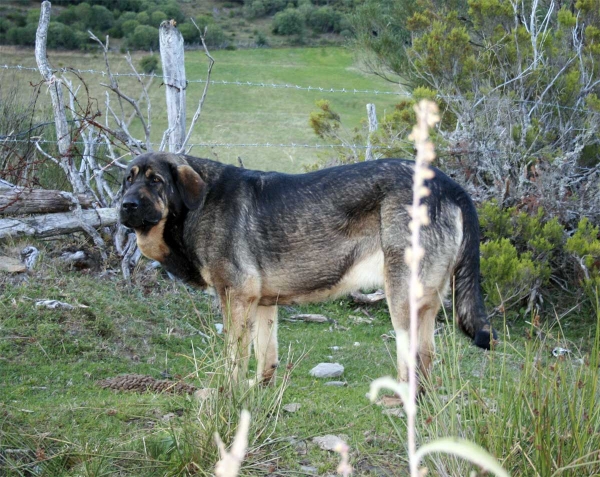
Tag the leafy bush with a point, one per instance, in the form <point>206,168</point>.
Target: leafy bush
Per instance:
<point>584,247</point>
<point>144,37</point>
<point>215,36</point>
<point>157,18</point>
<point>508,276</point>
<point>324,20</point>
<point>149,64</point>
<point>289,22</point>
<point>189,32</point>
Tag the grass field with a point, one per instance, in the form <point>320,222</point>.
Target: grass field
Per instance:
<point>534,412</point>
<point>241,114</point>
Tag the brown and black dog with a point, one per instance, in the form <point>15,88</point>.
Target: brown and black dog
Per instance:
<point>262,239</point>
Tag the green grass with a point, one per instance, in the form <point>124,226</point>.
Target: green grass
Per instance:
<point>535,413</point>
<point>242,114</point>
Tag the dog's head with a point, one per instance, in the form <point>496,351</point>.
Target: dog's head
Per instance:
<point>156,186</point>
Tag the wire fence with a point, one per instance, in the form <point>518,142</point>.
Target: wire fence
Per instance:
<point>13,136</point>
<point>260,84</point>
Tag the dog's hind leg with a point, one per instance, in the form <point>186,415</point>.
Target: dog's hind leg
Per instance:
<point>396,292</point>
<point>239,317</point>
<point>265,343</point>
<point>429,307</point>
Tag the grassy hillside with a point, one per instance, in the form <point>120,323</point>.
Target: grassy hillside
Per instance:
<point>239,114</point>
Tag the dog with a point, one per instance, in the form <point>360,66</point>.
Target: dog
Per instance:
<point>263,239</point>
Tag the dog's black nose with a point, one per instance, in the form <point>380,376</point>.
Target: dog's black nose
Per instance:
<point>130,204</point>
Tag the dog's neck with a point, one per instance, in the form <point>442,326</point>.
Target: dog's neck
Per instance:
<point>164,243</point>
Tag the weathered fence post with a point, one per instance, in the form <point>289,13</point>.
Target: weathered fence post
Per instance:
<point>63,136</point>
<point>172,57</point>
<point>371,114</point>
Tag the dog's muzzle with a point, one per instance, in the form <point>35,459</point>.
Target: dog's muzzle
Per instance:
<point>137,214</point>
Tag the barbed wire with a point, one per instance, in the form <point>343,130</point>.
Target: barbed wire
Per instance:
<point>316,89</point>
<point>261,84</point>
<point>231,145</point>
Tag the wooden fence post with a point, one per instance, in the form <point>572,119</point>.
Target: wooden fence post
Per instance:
<point>172,57</point>
<point>371,114</point>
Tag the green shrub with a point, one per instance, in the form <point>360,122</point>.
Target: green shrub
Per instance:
<point>63,36</point>
<point>149,64</point>
<point>144,37</point>
<point>102,18</point>
<point>324,20</point>
<point>289,22</point>
<point>215,36</point>
<point>157,18</point>
<point>143,18</point>
<point>189,32</point>
<point>584,247</point>
<point>509,276</point>
<point>129,26</point>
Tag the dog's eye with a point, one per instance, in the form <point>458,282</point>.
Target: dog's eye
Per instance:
<point>130,179</point>
<point>155,180</point>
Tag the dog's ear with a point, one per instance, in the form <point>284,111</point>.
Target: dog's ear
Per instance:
<point>190,185</point>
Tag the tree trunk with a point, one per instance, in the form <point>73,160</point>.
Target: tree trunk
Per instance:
<point>56,224</point>
<point>172,57</point>
<point>20,201</point>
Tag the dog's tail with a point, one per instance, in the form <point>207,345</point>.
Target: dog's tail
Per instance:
<point>471,315</point>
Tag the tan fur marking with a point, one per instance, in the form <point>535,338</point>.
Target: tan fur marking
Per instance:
<point>152,244</point>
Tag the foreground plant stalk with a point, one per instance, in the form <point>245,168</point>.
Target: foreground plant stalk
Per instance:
<point>427,116</point>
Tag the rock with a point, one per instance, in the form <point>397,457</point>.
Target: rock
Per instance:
<point>394,411</point>
<point>219,328</point>
<point>308,469</point>
<point>327,370</point>
<point>329,442</point>
<point>292,407</point>
<point>205,393</point>
<point>12,265</point>
<point>54,304</point>
<point>336,383</point>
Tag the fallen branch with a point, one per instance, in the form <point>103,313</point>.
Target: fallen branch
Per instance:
<point>50,225</point>
<point>18,200</point>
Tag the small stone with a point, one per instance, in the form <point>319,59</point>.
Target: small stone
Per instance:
<point>329,442</point>
<point>395,412</point>
<point>53,304</point>
<point>336,383</point>
<point>219,328</point>
<point>12,265</point>
<point>327,370</point>
<point>205,393</point>
<point>292,407</point>
<point>308,469</point>
<point>356,343</point>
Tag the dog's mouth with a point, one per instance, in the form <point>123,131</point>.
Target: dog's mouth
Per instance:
<point>133,222</point>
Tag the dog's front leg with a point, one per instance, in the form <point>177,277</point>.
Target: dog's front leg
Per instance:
<point>265,343</point>
<point>239,313</point>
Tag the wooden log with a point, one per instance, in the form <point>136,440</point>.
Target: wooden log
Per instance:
<point>20,201</point>
<point>50,225</point>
